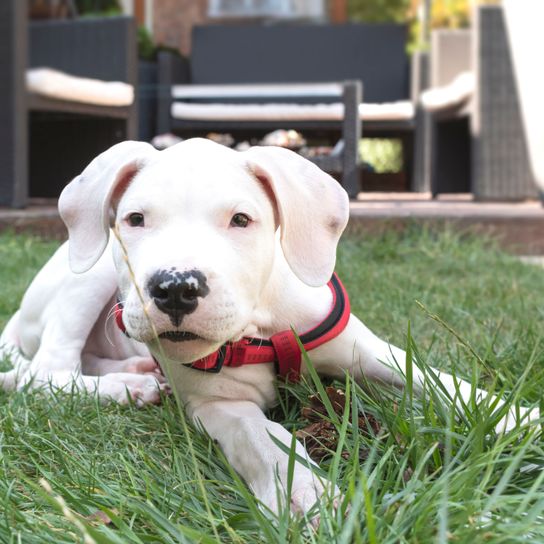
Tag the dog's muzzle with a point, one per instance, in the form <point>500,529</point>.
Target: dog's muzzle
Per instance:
<point>284,348</point>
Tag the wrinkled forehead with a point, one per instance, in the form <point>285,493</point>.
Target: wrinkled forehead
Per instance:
<point>192,180</point>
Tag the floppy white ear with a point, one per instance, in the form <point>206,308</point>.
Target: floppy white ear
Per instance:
<point>313,210</point>
<point>84,204</point>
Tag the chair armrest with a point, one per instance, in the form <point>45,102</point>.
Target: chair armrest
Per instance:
<point>351,133</point>
<point>172,69</point>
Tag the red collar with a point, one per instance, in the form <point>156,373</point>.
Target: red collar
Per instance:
<point>282,348</point>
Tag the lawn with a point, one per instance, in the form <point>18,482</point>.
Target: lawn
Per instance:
<point>74,471</point>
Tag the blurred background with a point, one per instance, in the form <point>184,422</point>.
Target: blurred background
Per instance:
<point>436,108</point>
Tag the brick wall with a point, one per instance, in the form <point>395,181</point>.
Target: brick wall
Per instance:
<point>174,19</point>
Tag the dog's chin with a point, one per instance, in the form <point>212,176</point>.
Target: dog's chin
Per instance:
<point>183,346</point>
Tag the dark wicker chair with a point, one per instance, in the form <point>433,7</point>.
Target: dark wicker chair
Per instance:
<point>45,142</point>
<point>478,146</point>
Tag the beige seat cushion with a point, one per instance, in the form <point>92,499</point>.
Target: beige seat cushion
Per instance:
<point>457,93</point>
<point>402,110</point>
<point>62,86</point>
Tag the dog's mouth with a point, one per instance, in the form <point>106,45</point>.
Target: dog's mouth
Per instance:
<point>179,336</point>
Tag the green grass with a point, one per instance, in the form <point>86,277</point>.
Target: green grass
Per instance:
<point>429,475</point>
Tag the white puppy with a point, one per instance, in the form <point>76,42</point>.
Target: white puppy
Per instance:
<point>213,247</point>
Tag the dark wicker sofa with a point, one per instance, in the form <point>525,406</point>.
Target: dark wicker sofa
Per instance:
<point>44,142</point>
<point>229,55</point>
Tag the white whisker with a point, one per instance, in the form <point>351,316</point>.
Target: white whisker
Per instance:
<point>110,315</point>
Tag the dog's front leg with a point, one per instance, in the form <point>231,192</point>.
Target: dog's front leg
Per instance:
<point>244,434</point>
<point>365,356</point>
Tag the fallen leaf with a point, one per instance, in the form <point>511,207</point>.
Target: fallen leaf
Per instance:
<point>320,436</point>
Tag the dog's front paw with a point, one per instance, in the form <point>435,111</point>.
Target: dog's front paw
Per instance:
<point>125,387</point>
<point>307,490</point>
<point>305,495</point>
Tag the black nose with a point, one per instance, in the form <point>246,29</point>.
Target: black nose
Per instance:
<point>176,293</point>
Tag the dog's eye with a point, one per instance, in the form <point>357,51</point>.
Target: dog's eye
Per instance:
<point>240,220</point>
<point>136,220</point>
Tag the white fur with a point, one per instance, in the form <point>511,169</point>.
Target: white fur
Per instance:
<point>259,284</point>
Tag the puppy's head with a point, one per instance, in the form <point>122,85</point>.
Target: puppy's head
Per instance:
<point>195,234</point>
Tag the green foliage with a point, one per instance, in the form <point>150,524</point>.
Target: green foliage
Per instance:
<point>98,7</point>
<point>450,13</point>
<point>378,11</point>
<point>146,47</point>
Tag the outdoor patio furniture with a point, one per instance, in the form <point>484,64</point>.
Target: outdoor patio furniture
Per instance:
<point>476,144</point>
<point>500,167</point>
<point>260,118</point>
<point>524,24</point>
<point>302,58</point>
<point>46,140</point>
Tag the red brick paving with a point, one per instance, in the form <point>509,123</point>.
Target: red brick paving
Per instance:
<point>518,226</point>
